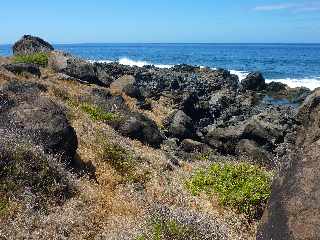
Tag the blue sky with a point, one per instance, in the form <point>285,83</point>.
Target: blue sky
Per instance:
<point>226,21</point>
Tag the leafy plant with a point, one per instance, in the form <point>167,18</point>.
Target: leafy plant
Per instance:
<point>242,186</point>
<point>40,59</point>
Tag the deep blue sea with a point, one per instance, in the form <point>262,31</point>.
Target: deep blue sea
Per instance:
<point>293,64</point>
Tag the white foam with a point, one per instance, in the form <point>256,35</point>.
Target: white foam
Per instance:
<point>130,62</point>
<point>311,83</point>
<point>100,61</point>
<point>241,74</point>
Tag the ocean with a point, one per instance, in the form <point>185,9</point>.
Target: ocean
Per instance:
<point>292,64</point>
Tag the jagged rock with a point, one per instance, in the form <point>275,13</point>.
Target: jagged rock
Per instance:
<point>254,81</point>
<point>20,68</point>
<point>180,125</point>
<point>275,87</point>
<point>36,118</point>
<point>185,68</point>
<point>294,211</point>
<point>30,45</point>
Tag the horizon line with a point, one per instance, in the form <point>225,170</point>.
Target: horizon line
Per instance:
<point>227,43</point>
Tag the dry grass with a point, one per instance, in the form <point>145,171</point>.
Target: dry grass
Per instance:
<point>111,208</point>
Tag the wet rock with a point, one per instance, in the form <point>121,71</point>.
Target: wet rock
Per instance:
<point>21,68</point>
<point>30,45</point>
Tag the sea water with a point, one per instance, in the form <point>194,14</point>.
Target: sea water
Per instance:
<point>292,64</point>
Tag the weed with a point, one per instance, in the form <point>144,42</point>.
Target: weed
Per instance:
<point>98,114</point>
<point>241,186</point>
<point>40,59</point>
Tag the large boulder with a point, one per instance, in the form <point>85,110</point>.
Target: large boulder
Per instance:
<point>224,139</point>
<point>35,117</point>
<point>30,45</point>
<point>138,126</point>
<point>294,206</point>
<point>23,68</point>
<point>75,67</point>
<point>180,125</point>
<point>254,81</point>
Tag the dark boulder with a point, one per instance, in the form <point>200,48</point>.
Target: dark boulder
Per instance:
<point>75,67</point>
<point>21,68</point>
<point>224,139</point>
<point>275,87</point>
<point>185,68</point>
<point>180,125</point>
<point>37,118</point>
<point>133,91</point>
<point>256,154</point>
<point>294,211</point>
<point>189,145</point>
<point>137,126</point>
<point>30,45</point>
<point>254,81</point>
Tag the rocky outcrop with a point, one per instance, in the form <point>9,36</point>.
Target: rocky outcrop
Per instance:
<point>77,68</point>
<point>294,209</point>
<point>22,68</point>
<point>254,81</point>
<point>30,45</point>
<point>36,118</point>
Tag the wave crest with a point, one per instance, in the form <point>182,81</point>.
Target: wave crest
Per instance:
<point>308,82</point>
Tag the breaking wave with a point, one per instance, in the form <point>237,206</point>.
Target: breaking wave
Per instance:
<point>311,83</point>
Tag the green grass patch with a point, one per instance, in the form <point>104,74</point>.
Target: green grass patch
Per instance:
<point>124,162</point>
<point>40,59</point>
<point>242,186</point>
<point>167,229</point>
<point>4,205</point>
<point>98,114</point>
<point>118,157</point>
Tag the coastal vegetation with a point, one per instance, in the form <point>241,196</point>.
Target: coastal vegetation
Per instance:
<point>109,151</point>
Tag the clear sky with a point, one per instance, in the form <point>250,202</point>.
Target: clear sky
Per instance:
<point>112,21</point>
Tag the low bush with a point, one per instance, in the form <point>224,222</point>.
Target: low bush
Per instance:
<point>242,186</point>
<point>40,59</point>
